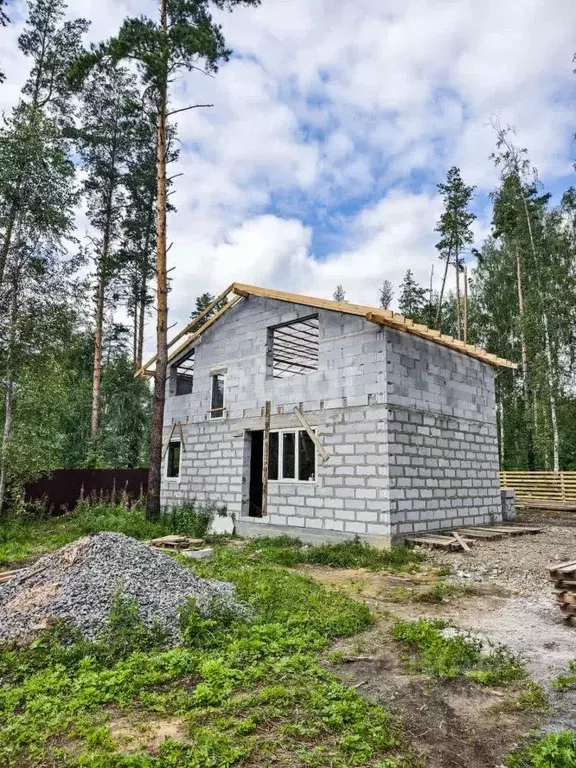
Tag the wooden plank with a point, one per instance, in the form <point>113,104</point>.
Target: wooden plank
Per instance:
<point>429,541</point>
<point>480,533</point>
<point>311,434</point>
<point>461,541</point>
<point>266,456</point>
<point>554,567</point>
<point>187,328</point>
<point>165,451</point>
<point>208,324</point>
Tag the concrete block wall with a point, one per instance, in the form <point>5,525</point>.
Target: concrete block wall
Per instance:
<point>349,497</point>
<point>443,447</point>
<point>410,427</point>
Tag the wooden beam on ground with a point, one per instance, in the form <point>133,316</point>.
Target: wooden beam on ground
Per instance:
<point>311,434</point>
<point>461,541</point>
<point>266,457</point>
<point>200,316</point>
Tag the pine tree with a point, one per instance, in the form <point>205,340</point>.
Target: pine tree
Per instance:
<point>339,294</point>
<point>455,232</point>
<point>412,301</point>
<point>184,35</point>
<point>106,139</point>
<point>386,294</point>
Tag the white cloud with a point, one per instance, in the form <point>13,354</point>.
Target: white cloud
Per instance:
<point>333,124</point>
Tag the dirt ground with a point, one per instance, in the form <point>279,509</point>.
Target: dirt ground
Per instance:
<point>506,598</point>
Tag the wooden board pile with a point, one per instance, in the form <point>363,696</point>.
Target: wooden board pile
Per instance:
<point>176,542</point>
<point>463,538</point>
<point>564,577</point>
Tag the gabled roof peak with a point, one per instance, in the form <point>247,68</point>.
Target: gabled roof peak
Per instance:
<point>384,317</point>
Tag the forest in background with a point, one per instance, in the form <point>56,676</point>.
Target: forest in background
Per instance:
<point>68,393</point>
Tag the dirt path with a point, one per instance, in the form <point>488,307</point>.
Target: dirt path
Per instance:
<point>457,723</point>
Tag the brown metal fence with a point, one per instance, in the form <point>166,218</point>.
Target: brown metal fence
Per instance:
<point>550,486</point>
<point>62,490</point>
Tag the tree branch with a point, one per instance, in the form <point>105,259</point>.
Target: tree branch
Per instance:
<point>185,109</point>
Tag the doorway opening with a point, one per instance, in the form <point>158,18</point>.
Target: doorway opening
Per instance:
<point>256,467</point>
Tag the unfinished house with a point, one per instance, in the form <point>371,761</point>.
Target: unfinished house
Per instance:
<point>328,420</point>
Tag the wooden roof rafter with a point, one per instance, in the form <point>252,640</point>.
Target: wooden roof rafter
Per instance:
<point>382,317</point>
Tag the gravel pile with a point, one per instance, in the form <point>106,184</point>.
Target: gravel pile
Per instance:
<point>80,581</point>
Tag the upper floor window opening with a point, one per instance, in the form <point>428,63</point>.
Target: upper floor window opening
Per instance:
<point>217,405</point>
<point>184,374</point>
<point>293,348</point>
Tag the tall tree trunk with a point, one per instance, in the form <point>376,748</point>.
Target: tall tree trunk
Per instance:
<point>143,292</point>
<point>439,310</point>
<point>501,430</point>
<point>156,429</point>
<point>524,356</point>
<point>5,250</point>
<point>98,332</point>
<point>458,303</point>
<point>9,394</point>
<point>135,324</point>
<point>547,344</point>
<point>465,306</point>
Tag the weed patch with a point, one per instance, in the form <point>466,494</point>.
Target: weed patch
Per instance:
<point>555,750</point>
<point>290,552</point>
<point>567,682</point>
<point>451,655</point>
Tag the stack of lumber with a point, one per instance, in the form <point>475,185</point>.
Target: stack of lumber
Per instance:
<point>564,577</point>
<point>176,542</point>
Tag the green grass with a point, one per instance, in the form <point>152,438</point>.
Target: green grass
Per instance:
<point>457,655</point>
<point>290,552</point>
<point>555,750</point>
<point>250,693</point>
<point>23,538</point>
<point>567,682</point>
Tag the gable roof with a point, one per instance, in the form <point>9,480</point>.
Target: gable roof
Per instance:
<point>384,317</point>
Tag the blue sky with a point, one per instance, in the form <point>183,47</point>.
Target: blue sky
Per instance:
<point>332,125</point>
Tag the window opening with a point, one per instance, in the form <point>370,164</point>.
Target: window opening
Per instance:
<point>185,374</point>
<point>173,462</point>
<point>293,348</point>
<point>217,398</point>
<point>292,456</point>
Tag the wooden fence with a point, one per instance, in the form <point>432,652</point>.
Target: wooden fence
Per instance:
<point>550,486</point>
